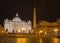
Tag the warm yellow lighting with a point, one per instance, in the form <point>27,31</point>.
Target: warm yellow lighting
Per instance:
<point>21,40</point>
<point>23,29</point>
<point>19,30</point>
<point>40,31</point>
<point>56,40</point>
<point>56,30</point>
<point>34,19</point>
<point>45,33</point>
<point>40,40</point>
<point>32,31</point>
<point>2,31</point>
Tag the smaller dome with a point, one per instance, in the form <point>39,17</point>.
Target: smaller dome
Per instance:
<point>16,18</point>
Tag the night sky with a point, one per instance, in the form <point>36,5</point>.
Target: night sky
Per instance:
<point>48,10</point>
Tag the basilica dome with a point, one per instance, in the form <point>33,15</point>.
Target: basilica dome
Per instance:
<point>17,18</point>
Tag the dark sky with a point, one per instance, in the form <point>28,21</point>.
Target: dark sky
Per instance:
<point>46,9</point>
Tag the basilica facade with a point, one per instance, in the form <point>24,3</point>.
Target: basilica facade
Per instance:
<point>16,25</point>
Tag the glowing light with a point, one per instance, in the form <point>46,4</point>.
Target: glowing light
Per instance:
<point>56,40</point>
<point>41,41</point>
<point>19,30</point>
<point>56,30</point>
<point>21,40</point>
<point>40,31</point>
<point>16,14</point>
<point>23,29</point>
<point>45,33</point>
<point>2,31</point>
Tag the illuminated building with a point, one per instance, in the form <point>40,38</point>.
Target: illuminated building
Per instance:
<point>50,28</point>
<point>16,25</point>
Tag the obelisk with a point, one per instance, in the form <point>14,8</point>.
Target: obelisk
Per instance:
<point>34,18</point>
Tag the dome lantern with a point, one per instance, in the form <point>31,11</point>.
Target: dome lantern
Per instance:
<point>16,18</point>
<point>16,14</point>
